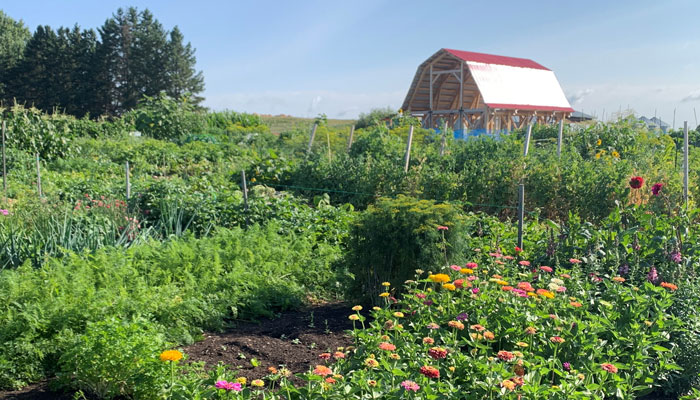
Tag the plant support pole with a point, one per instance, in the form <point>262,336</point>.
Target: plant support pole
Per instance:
<point>311,139</point>
<point>4,169</point>
<point>444,140</point>
<point>352,132</point>
<point>685,164</point>
<point>560,137</point>
<point>407,157</point>
<point>527,140</point>
<point>521,213</point>
<point>128,182</point>
<point>38,175</point>
<point>245,197</point>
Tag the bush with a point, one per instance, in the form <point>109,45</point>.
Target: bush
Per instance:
<point>165,118</point>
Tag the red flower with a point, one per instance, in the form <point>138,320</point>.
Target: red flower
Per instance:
<point>437,353</point>
<point>442,228</point>
<point>430,372</point>
<point>636,182</point>
<point>656,188</point>
<point>518,249</point>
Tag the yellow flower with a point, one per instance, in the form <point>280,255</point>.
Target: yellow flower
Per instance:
<point>615,154</point>
<point>581,377</point>
<point>501,282</point>
<point>521,344</point>
<point>375,308</point>
<point>171,355</point>
<point>599,142</point>
<point>449,286</point>
<point>354,317</point>
<point>398,314</point>
<point>452,369</point>
<point>242,380</point>
<point>439,278</point>
<point>357,308</point>
<point>372,363</point>
<point>597,156</point>
<point>386,284</point>
<point>466,271</point>
<point>257,383</point>
<point>385,294</point>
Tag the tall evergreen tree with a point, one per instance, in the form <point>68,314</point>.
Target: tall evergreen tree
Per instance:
<point>13,38</point>
<point>183,78</point>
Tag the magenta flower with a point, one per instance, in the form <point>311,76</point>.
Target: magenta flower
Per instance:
<point>410,386</point>
<point>235,386</point>
<point>653,275</point>
<point>472,265</point>
<point>4,212</point>
<point>656,188</point>
<point>567,366</point>
<point>475,290</point>
<point>456,267</point>
<point>442,228</point>
<point>462,317</point>
<point>676,257</point>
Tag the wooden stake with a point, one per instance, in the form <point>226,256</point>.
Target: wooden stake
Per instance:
<point>4,169</point>
<point>521,213</point>
<point>560,137</point>
<point>128,183</point>
<point>38,175</point>
<point>311,139</point>
<point>527,139</point>
<point>328,140</point>
<point>245,195</point>
<point>352,132</point>
<point>407,157</point>
<point>685,164</point>
<point>444,140</point>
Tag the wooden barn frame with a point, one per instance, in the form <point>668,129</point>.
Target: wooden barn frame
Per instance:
<point>475,91</point>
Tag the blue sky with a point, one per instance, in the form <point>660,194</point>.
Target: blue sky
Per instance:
<point>342,58</point>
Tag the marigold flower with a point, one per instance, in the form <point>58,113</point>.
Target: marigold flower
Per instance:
<point>371,362</point>
<point>385,294</point>
<point>357,308</point>
<point>437,353</point>
<point>508,384</point>
<point>430,372</point>
<point>322,370</point>
<point>618,279</point>
<point>410,386</point>
<point>488,335</point>
<point>456,325</point>
<point>439,278</point>
<point>260,383</point>
<point>609,368</point>
<point>505,355</point>
<point>171,355</point>
<point>449,286</point>
<point>669,286</point>
<point>387,346</point>
<point>557,339</point>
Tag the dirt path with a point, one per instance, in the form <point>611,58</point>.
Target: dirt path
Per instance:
<point>294,340</point>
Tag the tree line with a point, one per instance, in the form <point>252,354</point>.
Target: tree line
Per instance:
<point>104,72</point>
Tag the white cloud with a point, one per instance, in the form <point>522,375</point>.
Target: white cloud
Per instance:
<point>577,97</point>
<point>692,96</point>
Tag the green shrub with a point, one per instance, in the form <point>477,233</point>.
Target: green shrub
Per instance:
<point>165,118</point>
<point>114,358</point>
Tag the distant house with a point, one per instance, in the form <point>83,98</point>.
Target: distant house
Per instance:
<point>654,124</point>
<point>579,116</point>
<point>479,92</point>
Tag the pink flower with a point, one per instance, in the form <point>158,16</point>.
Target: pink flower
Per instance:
<point>524,263</point>
<point>656,188</point>
<point>410,386</point>
<point>508,258</point>
<point>546,268</point>
<point>472,265</point>
<point>235,386</point>
<point>574,261</point>
<point>442,228</point>
<point>472,278</point>
<point>561,289</point>
<point>421,295</point>
<point>456,267</point>
<point>496,255</point>
<point>4,212</point>
<point>475,290</point>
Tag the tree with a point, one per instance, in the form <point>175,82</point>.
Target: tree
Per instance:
<point>13,38</point>
<point>183,78</point>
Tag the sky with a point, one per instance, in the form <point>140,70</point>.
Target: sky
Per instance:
<point>304,58</point>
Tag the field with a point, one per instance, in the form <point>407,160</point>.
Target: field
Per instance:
<point>338,274</point>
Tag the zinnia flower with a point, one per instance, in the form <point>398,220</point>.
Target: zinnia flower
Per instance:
<point>477,327</point>
<point>410,386</point>
<point>428,340</point>
<point>575,304</point>
<point>357,308</point>
<point>387,346</point>
<point>557,339</point>
<point>325,356</point>
<point>338,355</point>
<point>433,325</point>
<point>618,279</point>
<point>260,383</point>
<point>676,257</point>
<point>609,367</point>
<point>574,261</point>
<point>524,263</point>
<point>567,367</point>
<point>455,267</point>
<point>322,370</point>
<point>669,286</point>
<point>439,278</point>
<point>530,330</point>
<point>462,317</point>
<point>508,384</point>
<point>385,294</point>
<point>171,355</point>
<point>371,362</point>
<point>430,372</point>
<point>456,325</point>
<point>636,182</point>
<point>442,228</point>
<point>437,353</point>
<point>353,317</point>
<point>449,286</point>
<point>505,355</point>
<point>656,188</point>
<point>653,275</point>
<point>475,290</point>
<point>546,268</point>
<point>235,386</point>
<point>488,335</point>
<point>472,265</point>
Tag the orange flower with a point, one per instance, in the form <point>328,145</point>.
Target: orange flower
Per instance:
<point>609,367</point>
<point>488,335</point>
<point>669,286</point>
<point>456,324</point>
<point>477,328</point>
<point>449,286</point>
<point>506,288</point>
<point>557,339</point>
<point>508,384</point>
<point>530,330</point>
<point>618,279</point>
<point>439,278</point>
<point>575,304</point>
<point>170,355</point>
<point>322,370</point>
<point>505,355</point>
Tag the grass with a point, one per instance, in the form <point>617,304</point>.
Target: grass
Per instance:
<point>284,123</point>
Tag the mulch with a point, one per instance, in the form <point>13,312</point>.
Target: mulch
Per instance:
<point>294,340</point>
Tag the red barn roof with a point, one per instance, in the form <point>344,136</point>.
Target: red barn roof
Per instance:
<point>494,59</point>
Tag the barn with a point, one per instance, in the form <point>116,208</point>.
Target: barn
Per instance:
<point>483,93</point>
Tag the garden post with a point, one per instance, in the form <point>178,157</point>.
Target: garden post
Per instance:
<point>245,196</point>
<point>311,139</point>
<point>521,213</point>
<point>4,169</point>
<point>38,175</point>
<point>352,132</point>
<point>560,137</point>
<point>444,140</point>
<point>527,139</point>
<point>407,157</point>
<point>128,183</point>
<point>685,164</point>
<point>328,140</point>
